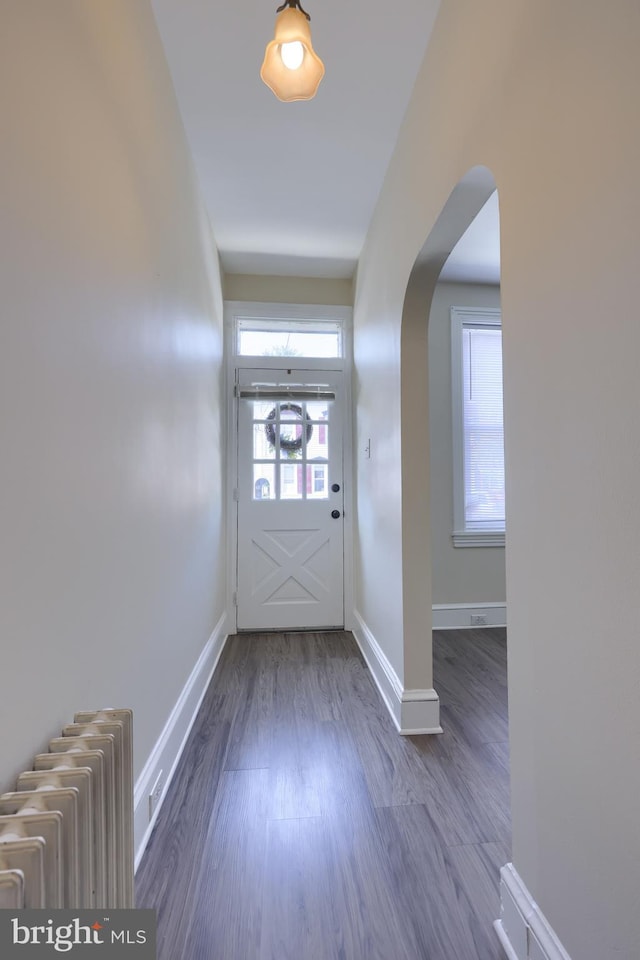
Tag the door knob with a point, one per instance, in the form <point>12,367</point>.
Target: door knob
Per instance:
<point>335,514</point>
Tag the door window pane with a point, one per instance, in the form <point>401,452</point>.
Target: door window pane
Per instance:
<point>264,481</point>
<point>261,409</point>
<point>294,437</point>
<point>318,445</point>
<point>262,449</point>
<point>317,410</point>
<point>290,434</point>
<point>317,481</point>
<point>291,481</point>
<point>294,430</point>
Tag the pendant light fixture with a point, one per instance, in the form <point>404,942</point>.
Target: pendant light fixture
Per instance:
<point>291,68</point>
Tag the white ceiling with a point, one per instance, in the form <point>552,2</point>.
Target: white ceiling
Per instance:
<point>291,187</point>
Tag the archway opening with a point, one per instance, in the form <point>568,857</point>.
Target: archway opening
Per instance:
<point>453,497</point>
<point>463,205</point>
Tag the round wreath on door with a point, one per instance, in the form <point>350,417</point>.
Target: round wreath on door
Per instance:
<point>289,444</point>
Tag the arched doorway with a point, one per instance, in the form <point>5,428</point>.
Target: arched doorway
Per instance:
<point>463,205</point>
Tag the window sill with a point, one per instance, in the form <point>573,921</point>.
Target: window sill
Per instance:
<point>478,538</point>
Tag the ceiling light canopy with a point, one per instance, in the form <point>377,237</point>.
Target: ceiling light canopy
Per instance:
<point>291,67</point>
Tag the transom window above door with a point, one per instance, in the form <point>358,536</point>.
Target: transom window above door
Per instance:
<point>259,337</point>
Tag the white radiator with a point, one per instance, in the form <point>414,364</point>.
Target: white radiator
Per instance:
<point>66,833</point>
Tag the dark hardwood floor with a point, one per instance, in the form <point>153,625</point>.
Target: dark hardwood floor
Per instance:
<point>301,826</point>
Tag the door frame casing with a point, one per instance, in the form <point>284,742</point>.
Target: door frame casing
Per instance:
<point>240,309</point>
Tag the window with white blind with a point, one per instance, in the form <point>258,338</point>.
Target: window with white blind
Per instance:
<point>478,436</point>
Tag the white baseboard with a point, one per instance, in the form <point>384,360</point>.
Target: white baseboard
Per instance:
<point>168,749</point>
<point>455,616</point>
<point>412,711</point>
<point>523,930</point>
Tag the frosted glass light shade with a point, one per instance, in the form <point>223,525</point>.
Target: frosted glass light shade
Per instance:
<point>287,84</point>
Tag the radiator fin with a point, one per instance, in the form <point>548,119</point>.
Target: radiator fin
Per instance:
<point>66,833</point>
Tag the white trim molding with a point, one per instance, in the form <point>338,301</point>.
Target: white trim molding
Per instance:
<point>413,711</point>
<point>456,616</point>
<point>171,742</point>
<point>523,930</point>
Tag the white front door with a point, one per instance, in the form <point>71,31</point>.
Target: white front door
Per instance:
<point>290,500</point>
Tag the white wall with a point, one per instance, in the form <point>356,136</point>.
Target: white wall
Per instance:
<point>111,565</point>
<point>458,574</point>
<point>546,96</point>
<point>240,286</point>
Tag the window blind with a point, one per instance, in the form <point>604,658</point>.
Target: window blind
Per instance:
<point>483,428</point>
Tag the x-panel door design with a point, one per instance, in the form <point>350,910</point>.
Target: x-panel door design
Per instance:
<point>290,500</point>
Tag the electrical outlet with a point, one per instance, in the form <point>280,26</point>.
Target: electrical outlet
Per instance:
<point>478,619</point>
<point>156,793</point>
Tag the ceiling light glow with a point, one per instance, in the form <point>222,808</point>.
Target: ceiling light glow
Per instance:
<point>291,67</point>
<point>292,54</point>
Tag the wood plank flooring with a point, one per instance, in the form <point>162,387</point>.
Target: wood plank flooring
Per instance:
<point>301,826</point>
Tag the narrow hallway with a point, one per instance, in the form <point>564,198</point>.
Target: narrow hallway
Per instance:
<point>301,825</point>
